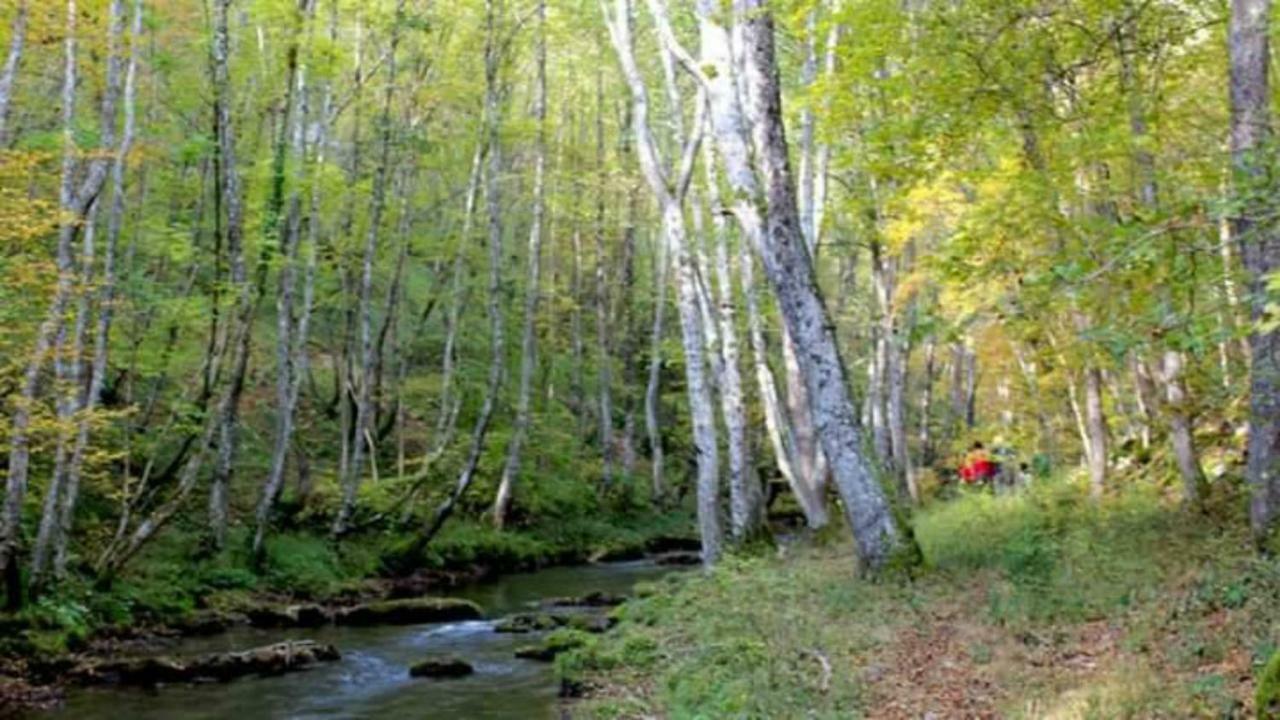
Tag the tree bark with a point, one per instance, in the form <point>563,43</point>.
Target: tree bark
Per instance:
<point>1254,229</point>
<point>790,270</point>
<point>670,196</point>
<point>9,74</point>
<point>291,331</point>
<point>604,348</point>
<point>106,292</point>
<point>528,339</point>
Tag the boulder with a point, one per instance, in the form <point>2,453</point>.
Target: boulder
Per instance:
<point>441,667</point>
<point>266,660</point>
<point>409,612</point>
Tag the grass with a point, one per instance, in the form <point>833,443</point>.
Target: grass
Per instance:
<point>1037,605</point>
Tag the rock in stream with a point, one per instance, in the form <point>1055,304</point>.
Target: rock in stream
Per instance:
<point>274,659</point>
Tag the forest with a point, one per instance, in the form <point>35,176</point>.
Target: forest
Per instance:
<point>633,359</point>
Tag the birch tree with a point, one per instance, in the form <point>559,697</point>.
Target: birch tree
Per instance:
<point>670,194</point>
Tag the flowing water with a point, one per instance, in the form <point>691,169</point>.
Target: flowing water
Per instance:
<point>372,678</point>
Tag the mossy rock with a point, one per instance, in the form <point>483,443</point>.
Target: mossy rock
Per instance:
<point>282,657</point>
<point>1268,696</point>
<point>448,666</point>
<point>410,612</point>
<point>530,622</point>
<point>557,642</point>
<point>594,624</point>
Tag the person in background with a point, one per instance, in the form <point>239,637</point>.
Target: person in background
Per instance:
<point>978,466</point>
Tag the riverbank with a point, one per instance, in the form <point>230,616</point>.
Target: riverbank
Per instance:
<point>306,581</point>
<point>1039,605</point>
<point>374,677</point>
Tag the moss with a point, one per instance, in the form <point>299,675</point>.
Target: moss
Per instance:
<point>410,612</point>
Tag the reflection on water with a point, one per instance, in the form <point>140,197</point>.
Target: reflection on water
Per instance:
<point>372,679</point>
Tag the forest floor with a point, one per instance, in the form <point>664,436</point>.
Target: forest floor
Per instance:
<point>1041,605</point>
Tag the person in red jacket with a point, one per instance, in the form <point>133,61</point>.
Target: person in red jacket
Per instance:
<point>978,466</point>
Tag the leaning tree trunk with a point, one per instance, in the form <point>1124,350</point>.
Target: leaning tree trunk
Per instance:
<point>497,346</point>
<point>790,270</point>
<point>809,496</point>
<point>528,338</point>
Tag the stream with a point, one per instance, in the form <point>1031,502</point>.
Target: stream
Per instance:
<point>372,678</point>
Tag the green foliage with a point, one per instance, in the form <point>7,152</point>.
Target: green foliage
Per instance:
<point>1061,556</point>
<point>744,641</point>
<point>735,643</point>
<point>303,564</point>
<point>1267,698</point>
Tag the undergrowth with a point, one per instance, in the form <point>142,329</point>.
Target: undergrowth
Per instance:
<point>1038,604</point>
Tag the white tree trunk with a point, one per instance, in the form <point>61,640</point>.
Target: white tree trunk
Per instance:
<point>788,265</point>
<point>9,74</point>
<point>528,340</point>
<point>670,199</point>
